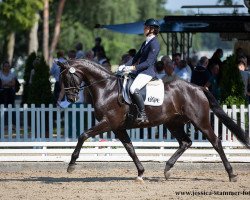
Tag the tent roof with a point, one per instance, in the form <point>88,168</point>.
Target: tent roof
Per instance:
<point>202,23</point>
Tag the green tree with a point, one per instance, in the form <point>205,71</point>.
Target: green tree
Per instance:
<point>17,15</point>
<point>40,87</point>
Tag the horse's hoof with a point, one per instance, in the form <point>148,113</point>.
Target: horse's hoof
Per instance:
<point>139,180</point>
<point>233,178</point>
<point>167,174</point>
<point>71,168</point>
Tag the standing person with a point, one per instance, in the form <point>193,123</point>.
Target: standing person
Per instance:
<point>216,59</point>
<point>201,75</point>
<point>98,47</point>
<point>143,65</point>
<point>79,51</point>
<point>245,75</point>
<point>212,83</point>
<point>55,72</point>
<point>8,80</point>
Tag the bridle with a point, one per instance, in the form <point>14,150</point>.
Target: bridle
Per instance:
<point>72,72</point>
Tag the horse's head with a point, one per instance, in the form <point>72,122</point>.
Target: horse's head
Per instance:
<point>71,77</point>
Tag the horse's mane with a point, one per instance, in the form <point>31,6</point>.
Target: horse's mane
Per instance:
<point>92,65</point>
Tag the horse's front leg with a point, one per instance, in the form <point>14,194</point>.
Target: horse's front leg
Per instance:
<point>102,126</point>
<point>124,138</point>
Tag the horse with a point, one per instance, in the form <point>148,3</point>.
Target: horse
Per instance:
<point>183,102</point>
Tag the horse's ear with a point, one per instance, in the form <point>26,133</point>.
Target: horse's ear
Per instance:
<point>60,64</point>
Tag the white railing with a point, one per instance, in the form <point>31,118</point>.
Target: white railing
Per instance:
<point>50,134</point>
<point>53,124</point>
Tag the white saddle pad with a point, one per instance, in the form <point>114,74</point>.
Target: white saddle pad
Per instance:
<point>154,93</point>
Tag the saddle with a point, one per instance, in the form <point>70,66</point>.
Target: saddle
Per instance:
<point>152,93</point>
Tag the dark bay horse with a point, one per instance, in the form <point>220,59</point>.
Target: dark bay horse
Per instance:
<point>183,102</point>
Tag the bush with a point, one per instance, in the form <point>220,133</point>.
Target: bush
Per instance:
<point>40,88</point>
<point>27,70</point>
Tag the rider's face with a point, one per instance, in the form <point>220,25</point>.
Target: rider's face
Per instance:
<point>146,30</point>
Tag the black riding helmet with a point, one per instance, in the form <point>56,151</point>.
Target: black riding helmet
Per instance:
<point>153,24</point>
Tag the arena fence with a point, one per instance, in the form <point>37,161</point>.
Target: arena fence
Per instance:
<point>50,134</point>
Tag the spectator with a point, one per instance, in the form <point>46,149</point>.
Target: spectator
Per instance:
<point>212,83</point>
<point>98,47</point>
<point>55,72</point>
<point>79,51</point>
<point>90,55</point>
<point>125,59</point>
<point>159,68</point>
<point>8,80</point>
<point>216,59</point>
<point>201,75</point>
<point>132,52</point>
<point>242,64</point>
<point>72,54</point>
<point>192,62</point>
<point>103,60</point>
<point>169,69</point>
<point>176,59</point>
<point>183,71</point>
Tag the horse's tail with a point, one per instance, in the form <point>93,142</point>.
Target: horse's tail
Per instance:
<point>230,124</point>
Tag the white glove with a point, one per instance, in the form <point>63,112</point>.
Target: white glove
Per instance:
<point>121,67</point>
<point>128,68</point>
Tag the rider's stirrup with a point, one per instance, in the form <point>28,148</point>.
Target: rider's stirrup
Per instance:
<point>142,116</point>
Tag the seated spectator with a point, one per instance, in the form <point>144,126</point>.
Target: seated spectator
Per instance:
<point>79,51</point>
<point>183,71</point>
<point>212,83</point>
<point>8,80</point>
<point>201,75</point>
<point>159,68</point>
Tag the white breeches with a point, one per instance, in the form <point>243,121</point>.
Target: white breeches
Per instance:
<point>140,81</point>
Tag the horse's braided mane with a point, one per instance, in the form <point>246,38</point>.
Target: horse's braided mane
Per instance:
<point>92,65</point>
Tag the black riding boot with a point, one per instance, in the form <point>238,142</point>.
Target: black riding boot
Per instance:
<point>140,104</point>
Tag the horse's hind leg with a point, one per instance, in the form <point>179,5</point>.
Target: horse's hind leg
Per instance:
<point>101,127</point>
<point>216,142</point>
<point>124,138</point>
<point>184,144</point>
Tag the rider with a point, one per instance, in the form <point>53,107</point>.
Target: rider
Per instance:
<point>143,65</point>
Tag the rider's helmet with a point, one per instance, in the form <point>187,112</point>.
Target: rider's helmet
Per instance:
<point>153,24</point>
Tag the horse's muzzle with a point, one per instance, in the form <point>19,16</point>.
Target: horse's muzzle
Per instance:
<point>72,99</point>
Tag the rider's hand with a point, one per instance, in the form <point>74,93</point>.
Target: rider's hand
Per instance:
<point>121,67</point>
<point>129,68</point>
